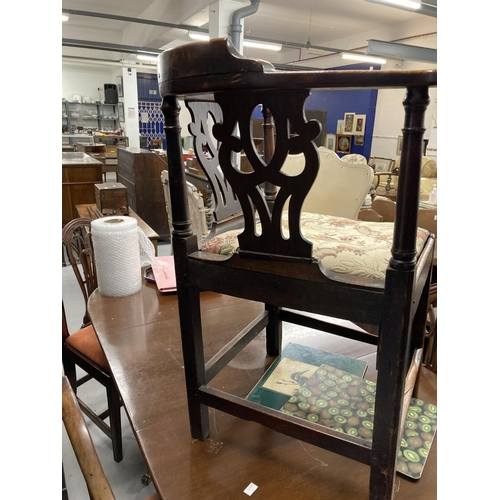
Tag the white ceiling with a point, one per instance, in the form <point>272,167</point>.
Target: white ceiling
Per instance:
<point>338,24</point>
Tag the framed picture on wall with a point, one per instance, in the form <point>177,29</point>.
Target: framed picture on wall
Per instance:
<point>340,126</point>
<point>359,140</point>
<point>399,145</point>
<point>381,164</point>
<point>119,85</point>
<point>330,141</point>
<point>343,144</point>
<point>349,123</point>
<point>359,124</point>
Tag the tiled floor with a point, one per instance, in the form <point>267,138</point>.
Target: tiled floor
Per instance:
<point>124,477</point>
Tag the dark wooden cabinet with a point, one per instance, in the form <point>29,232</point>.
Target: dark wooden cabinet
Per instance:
<point>139,170</point>
<point>80,173</point>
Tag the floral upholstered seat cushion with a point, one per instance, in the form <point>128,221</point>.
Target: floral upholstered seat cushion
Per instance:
<point>346,248</point>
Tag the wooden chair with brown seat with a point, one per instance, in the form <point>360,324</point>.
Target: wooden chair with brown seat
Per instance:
<point>83,446</point>
<point>274,262</point>
<point>81,348</point>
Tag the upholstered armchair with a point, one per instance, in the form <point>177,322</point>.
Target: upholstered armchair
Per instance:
<point>386,183</point>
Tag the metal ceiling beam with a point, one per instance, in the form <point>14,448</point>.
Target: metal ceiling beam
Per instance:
<point>401,51</point>
<point>112,47</point>
<point>136,20</point>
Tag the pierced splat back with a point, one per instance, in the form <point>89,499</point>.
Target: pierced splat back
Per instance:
<point>232,129</point>
<point>204,114</point>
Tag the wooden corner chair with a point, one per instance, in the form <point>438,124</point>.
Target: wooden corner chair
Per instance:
<point>274,261</point>
<point>83,446</point>
<point>82,348</point>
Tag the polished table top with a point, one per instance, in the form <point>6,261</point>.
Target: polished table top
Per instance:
<point>79,159</point>
<point>141,339</point>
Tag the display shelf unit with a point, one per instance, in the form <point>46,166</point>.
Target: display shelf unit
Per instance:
<point>79,116</point>
<point>109,116</point>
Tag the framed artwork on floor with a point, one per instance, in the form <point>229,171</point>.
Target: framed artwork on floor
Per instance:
<point>343,144</point>
<point>381,164</point>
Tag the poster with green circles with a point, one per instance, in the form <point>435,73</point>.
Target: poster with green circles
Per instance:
<point>289,370</point>
<point>346,403</point>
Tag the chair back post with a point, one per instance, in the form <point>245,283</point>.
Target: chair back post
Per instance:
<point>177,178</point>
<point>403,250</point>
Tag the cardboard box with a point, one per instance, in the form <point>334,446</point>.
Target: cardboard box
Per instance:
<point>111,152</point>
<point>111,198</point>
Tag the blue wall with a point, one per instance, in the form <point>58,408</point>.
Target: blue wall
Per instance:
<point>147,87</point>
<point>149,103</point>
<point>338,102</point>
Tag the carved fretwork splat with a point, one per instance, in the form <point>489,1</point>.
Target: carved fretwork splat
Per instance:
<point>201,113</point>
<point>237,108</point>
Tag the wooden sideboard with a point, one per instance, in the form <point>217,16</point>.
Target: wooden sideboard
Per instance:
<point>139,170</point>
<point>80,173</point>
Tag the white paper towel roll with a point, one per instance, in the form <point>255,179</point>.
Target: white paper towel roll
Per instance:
<point>117,255</point>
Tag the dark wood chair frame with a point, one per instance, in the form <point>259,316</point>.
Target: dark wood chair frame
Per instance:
<point>281,272</point>
<point>97,483</point>
<point>77,241</point>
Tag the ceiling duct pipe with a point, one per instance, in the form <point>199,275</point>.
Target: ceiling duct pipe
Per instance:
<point>235,27</point>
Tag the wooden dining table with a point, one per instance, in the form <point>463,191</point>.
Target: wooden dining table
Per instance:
<point>140,337</point>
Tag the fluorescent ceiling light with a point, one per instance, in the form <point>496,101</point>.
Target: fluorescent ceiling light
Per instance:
<point>425,7</point>
<point>410,4</point>
<point>199,36</point>
<point>142,57</point>
<point>262,45</point>
<point>65,18</point>
<point>246,43</point>
<point>361,58</point>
